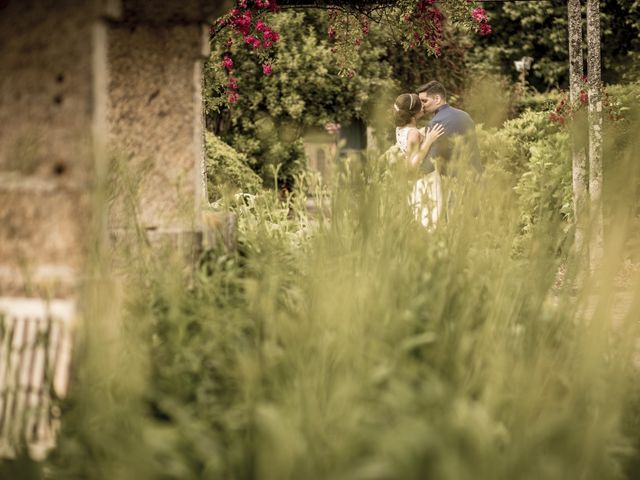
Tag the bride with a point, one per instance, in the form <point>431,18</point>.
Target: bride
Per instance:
<point>426,197</point>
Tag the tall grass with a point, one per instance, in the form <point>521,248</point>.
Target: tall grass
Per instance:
<point>355,344</point>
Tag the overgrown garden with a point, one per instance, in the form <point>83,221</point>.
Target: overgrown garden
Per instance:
<point>349,342</point>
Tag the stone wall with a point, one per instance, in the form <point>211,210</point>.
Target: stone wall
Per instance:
<point>46,163</point>
<point>79,76</point>
<point>155,56</point>
<point>47,168</point>
<point>87,87</point>
<point>155,119</point>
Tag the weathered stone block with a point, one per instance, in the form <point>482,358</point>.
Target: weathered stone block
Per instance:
<point>46,88</point>
<point>154,113</point>
<point>41,240</point>
<point>46,144</point>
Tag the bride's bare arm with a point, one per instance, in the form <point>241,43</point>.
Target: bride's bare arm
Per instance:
<point>431,135</point>
<point>413,146</point>
<point>420,150</point>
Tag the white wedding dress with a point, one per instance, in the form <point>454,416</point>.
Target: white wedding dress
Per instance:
<point>426,196</point>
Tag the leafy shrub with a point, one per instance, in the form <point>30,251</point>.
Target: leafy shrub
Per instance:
<point>482,103</point>
<point>539,30</point>
<point>621,188</point>
<point>625,106</point>
<point>509,148</point>
<point>227,169</point>
<point>538,102</point>
<point>545,187</point>
<point>533,156</point>
<point>370,348</point>
<point>305,90</point>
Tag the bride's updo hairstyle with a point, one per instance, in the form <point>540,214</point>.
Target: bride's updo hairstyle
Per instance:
<point>405,107</point>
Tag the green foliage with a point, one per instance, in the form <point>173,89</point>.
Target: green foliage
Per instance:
<point>483,87</point>
<point>537,102</point>
<point>539,30</point>
<point>412,68</point>
<point>622,171</point>
<point>531,155</point>
<point>360,346</point>
<point>392,156</point>
<point>545,188</point>
<point>625,103</point>
<point>304,90</point>
<point>227,169</point>
<point>509,148</point>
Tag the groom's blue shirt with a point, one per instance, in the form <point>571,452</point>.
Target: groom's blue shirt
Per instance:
<point>455,122</point>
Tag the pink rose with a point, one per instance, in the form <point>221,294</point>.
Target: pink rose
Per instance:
<point>485,29</point>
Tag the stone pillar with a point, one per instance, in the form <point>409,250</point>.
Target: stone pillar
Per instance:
<point>46,163</point>
<point>155,56</point>
<point>84,82</point>
<point>47,112</point>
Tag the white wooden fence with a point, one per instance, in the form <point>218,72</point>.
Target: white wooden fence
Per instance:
<point>35,354</point>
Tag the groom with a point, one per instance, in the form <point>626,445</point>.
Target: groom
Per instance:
<point>455,122</point>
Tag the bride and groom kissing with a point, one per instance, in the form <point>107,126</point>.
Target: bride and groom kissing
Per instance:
<point>431,150</point>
